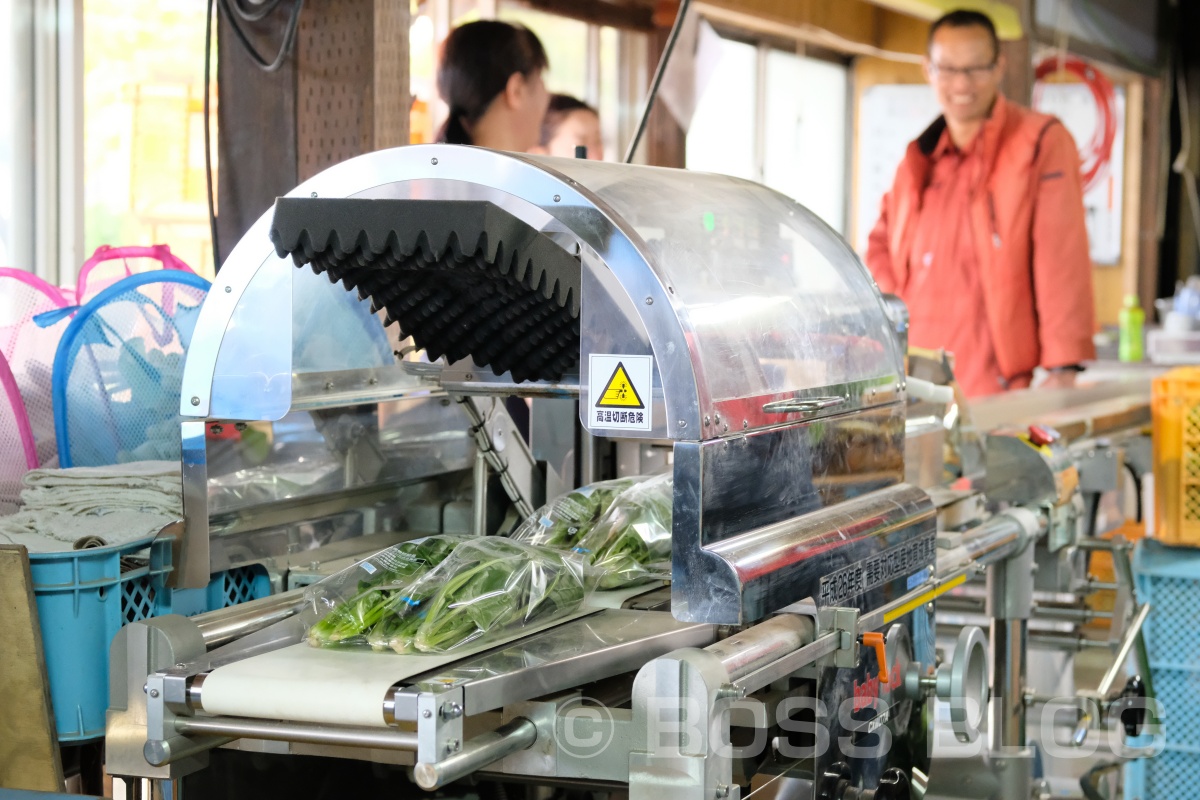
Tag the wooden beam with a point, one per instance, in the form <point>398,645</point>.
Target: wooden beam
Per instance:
<point>851,20</point>
<point>1017,84</point>
<point>624,15</point>
<point>1151,190</point>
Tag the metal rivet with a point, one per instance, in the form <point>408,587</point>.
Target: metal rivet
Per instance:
<point>717,418</point>
<point>427,713</point>
<point>725,427</point>
<point>433,161</point>
<point>708,420</point>
<point>328,386</point>
<point>144,687</point>
<point>745,424</point>
<point>470,376</point>
<point>372,381</point>
<point>195,401</point>
<point>682,423</point>
<point>154,692</point>
<point>314,194</point>
<point>649,301</point>
<point>557,198</point>
<point>180,665</point>
<point>452,746</point>
<point>228,289</point>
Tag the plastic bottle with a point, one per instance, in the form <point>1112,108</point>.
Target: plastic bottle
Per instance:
<point>1132,319</point>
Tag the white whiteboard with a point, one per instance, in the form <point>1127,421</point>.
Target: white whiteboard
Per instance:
<point>892,115</point>
<point>1072,103</point>
<point>889,117</point>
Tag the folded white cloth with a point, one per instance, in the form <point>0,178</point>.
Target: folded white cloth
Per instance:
<point>132,473</point>
<point>43,531</point>
<point>118,504</point>
<point>91,500</point>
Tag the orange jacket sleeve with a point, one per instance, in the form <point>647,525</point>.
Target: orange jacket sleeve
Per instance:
<point>879,257</point>
<point>1062,264</point>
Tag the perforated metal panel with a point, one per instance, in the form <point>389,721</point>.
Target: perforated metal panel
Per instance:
<point>335,60</point>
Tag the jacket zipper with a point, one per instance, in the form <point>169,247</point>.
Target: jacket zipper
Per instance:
<point>995,227</point>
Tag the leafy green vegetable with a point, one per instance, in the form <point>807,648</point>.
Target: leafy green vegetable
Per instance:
<point>562,522</point>
<point>374,587</point>
<point>494,585</point>
<point>631,543</point>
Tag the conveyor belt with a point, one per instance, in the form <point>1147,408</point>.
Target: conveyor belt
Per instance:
<point>301,683</point>
<point>463,278</point>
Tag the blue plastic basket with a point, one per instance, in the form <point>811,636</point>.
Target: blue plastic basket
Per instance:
<point>118,368</point>
<point>1171,775</point>
<point>1168,578</point>
<point>228,588</point>
<point>83,598</point>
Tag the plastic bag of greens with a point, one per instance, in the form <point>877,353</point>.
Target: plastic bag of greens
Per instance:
<point>563,521</point>
<point>631,543</point>
<point>487,588</point>
<point>350,603</point>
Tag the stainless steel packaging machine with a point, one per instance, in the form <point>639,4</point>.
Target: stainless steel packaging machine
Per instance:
<point>824,502</point>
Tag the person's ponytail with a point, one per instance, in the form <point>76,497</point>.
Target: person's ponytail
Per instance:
<point>477,59</point>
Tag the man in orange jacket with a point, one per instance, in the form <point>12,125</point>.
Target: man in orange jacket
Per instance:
<point>982,234</point>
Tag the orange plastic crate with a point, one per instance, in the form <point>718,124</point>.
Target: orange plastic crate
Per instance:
<point>1175,402</point>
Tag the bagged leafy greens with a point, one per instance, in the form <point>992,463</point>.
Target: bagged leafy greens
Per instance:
<point>631,542</point>
<point>353,601</point>
<point>482,588</point>
<point>563,521</point>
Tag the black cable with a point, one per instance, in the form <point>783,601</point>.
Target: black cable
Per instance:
<point>208,172</point>
<point>1090,782</point>
<point>285,49</point>
<point>661,70</point>
<point>254,16</point>
<point>1093,514</point>
<point>1137,485</point>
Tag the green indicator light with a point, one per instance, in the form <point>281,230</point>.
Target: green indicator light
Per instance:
<point>710,221</point>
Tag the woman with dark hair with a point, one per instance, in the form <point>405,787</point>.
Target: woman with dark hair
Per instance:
<point>570,124</point>
<point>490,76</point>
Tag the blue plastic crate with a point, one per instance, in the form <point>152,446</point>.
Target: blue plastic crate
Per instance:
<point>1168,578</point>
<point>228,588</point>
<point>83,598</point>
<point>1171,775</point>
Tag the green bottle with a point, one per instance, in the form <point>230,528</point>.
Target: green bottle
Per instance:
<point>1131,319</point>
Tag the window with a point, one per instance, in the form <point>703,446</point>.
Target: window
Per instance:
<point>143,127</point>
<point>771,116</point>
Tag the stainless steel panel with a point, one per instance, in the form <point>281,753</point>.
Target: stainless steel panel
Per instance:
<point>748,573</point>
<point>598,646</point>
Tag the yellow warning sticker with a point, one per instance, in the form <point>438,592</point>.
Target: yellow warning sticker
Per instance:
<point>619,392</point>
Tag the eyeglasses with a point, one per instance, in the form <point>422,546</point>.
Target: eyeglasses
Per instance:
<point>970,73</point>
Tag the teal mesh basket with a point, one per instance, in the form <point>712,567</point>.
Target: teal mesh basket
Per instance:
<point>118,369</point>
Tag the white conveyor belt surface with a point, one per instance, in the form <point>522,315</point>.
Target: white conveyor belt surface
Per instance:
<point>331,686</point>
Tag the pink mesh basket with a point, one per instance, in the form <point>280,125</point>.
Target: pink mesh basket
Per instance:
<point>18,454</point>
<point>110,264</point>
<point>29,350</point>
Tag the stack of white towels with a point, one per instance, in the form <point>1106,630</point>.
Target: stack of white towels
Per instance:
<point>63,509</point>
